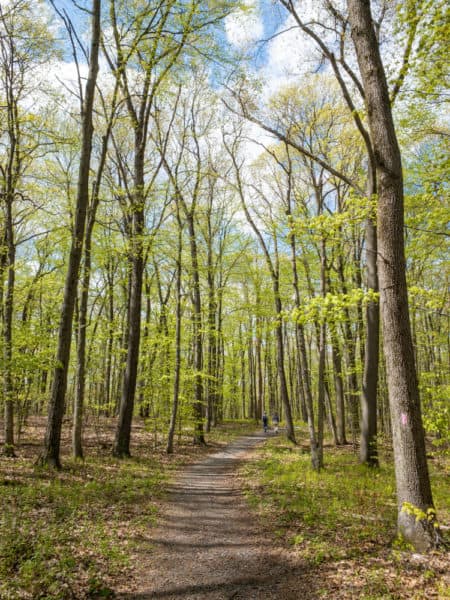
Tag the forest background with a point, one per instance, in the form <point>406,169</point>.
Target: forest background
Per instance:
<point>190,194</point>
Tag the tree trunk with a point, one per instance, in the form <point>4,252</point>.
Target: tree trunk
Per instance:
<point>350,352</point>
<point>284,396</point>
<point>177,367</point>
<point>303,360</point>
<point>329,409</point>
<point>321,393</point>
<point>368,449</point>
<point>77,446</point>
<point>121,447</point>
<point>243,382</point>
<point>197,335</point>
<point>338,386</point>
<point>258,363</point>
<point>122,440</point>
<point>322,338</point>
<point>212,334</point>
<point>416,517</point>
<point>51,452</point>
<point>8,329</point>
<point>110,341</point>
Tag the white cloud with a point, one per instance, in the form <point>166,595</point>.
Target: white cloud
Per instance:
<point>290,54</point>
<point>244,27</point>
<point>254,142</point>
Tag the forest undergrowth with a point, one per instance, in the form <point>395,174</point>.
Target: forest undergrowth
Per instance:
<point>71,534</point>
<point>342,521</point>
<point>74,533</point>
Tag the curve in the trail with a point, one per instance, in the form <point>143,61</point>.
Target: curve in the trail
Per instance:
<point>208,546</point>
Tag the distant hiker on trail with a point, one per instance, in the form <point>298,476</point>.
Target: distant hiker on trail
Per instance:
<point>265,421</point>
<point>275,421</point>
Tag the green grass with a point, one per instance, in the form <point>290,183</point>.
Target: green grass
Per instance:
<point>61,532</point>
<point>230,430</point>
<point>345,511</point>
<point>71,534</point>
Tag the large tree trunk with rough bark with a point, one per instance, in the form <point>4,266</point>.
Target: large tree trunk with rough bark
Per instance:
<point>415,504</point>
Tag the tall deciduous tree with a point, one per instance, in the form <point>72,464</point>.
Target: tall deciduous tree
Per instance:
<point>24,41</point>
<point>153,49</point>
<point>51,452</point>
<point>148,45</point>
<point>77,447</point>
<point>416,517</point>
<point>188,192</point>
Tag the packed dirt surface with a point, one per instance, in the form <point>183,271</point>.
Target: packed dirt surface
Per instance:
<point>207,545</point>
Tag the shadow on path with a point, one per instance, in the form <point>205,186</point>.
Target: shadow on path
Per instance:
<point>208,546</point>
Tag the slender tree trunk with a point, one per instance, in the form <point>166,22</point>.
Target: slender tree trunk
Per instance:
<point>329,409</point>
<point>284,395</point>
<point>415,503</point>
<point>368,448</point>
<point>110,342</point>
<point>197,334</point>
<point>121,447</point>
<point>338,386</point>
<point>77,446</point>
<point>243,373</point>
<point>144,409</point>
<point>272,403</point>
<point>8,330</point>
<point>251,377</point>
<point>303,360</point>
<point>51,452</point>
<point>350,353</point>
<point>177,368</point>
<point>321,392</point>
<point>212,335</point>
<point>259,375</point>
<point>322,339</point>
<point>219,363</point>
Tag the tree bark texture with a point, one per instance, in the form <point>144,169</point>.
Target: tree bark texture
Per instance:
<point>415,503</point>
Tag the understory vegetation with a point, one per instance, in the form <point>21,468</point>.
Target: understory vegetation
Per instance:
<point>72,533</point>
<point>75,532</point>
<point>342,521</point>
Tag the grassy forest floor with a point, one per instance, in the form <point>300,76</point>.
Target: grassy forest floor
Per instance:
<point>78,532</point>
<point>342,521</point>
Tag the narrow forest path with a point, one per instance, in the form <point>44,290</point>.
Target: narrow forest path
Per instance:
<point>208,545</point>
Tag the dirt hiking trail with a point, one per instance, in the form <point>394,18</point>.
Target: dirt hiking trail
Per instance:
<point>207,545</point>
